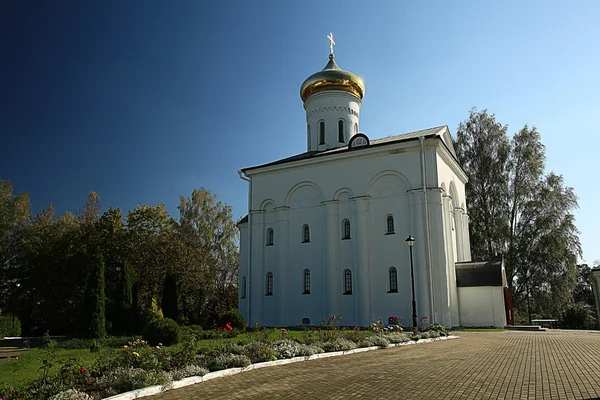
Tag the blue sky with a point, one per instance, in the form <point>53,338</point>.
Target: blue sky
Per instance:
<point>142,101</point>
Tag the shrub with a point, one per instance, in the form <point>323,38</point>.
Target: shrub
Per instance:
<point>375,340</point>
<point>339,344</point>
<point>397,337</point>
<point>577,317</point>
<point>162,330</point>
<point>125,379</point>
<point>228,360</point>
<point>187,371</point>
<point>259,352</point>
<point>71,394</point>
<point>190,332</point>
<point>286,349</point>
<point>9,326</point>
<point>93,314</point>
<point>235,318</point>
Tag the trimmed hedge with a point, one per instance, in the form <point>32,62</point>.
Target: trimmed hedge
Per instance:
<point>9,326</point>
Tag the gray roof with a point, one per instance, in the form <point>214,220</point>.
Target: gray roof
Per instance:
<point>440,131</point>
<point>480,273</point>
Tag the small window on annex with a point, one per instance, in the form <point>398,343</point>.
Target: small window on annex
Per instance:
<point>305,321</point>
<point>346,229</point>
<point>306,283</point>
<point>305,233</point>
<point>393,276</point>
<point>341,131</point>
<point>243,288</point>
<point>347,282</point>
<point>269,291</point>
<point>322,132</point>
<point>389,224</point>
<point>270,237</point>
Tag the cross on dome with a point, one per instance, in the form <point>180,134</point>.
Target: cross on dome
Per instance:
<point>331,43</point>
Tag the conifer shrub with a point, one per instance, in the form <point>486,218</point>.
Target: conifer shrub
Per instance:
<point>162,330</point>
<point>9,326</point>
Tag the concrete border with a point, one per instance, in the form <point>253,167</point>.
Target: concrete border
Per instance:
<point>157,389</point>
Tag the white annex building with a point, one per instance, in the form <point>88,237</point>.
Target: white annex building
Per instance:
<point>326,229</point>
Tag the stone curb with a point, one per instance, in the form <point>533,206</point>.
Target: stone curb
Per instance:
<point>157,389</point>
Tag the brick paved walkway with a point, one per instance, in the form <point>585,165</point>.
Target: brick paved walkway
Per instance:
<point>506,365</point>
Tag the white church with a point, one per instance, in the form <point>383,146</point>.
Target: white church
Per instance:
<point>326,229</point>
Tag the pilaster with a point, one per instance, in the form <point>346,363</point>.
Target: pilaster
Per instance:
<point>331,272</point>
<point>257,272</point>
<point>283,267</point>
<point>361,236</point>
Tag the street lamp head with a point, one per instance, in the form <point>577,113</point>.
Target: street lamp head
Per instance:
<point>410,241</point>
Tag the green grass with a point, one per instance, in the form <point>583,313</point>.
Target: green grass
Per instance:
<point>19,372</point>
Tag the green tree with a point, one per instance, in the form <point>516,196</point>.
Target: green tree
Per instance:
<point>483,149</point>
<point>14,215</point>
<point>124,314</point>
<point>208,257</point>
<point>94,309</point>
<point>169,297</point>
<point>149,231</point>
<point>517,210</point>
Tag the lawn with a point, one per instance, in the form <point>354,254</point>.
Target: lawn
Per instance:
<point>19,372</point>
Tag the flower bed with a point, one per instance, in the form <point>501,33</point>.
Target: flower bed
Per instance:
<point>137,364</point>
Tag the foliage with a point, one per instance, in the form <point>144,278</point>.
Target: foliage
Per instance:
<point>234,317</point>
<point>9,326</point>
<point>163,330</point>
<point>71,394</point>
<point>578,317</point>
<point>124,310</point>
<point>187,371</point>
<point>125,379</point>
<point>260,351</point>
<point>397,337</point>
<point>375,340</point>
<point>518,210</point>
<point>93,317</point>
<point>339,344</point>
<point>14,213</point>
<point>228,360</point>
<point>169,297</point>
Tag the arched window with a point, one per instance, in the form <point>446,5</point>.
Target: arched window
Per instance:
<point>322,132</point>
<point>393,274</point>
<point>389,224</point>
<point>305,233</point>
<point>355,128</point>
<point>346,229</point>
<point>347,282</point>
<point>341,131</point>
<point>305,321</point>
<point>269,284</point>
<point>308,136</point>
<point>306,282</point>
<point>270,237</point>
<point>243,288</point>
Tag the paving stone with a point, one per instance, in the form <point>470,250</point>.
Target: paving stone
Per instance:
<point>491,365</point>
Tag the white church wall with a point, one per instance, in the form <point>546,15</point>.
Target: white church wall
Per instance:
<point>482,306</point>
<point>243,296</point>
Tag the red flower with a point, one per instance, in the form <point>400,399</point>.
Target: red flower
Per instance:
<point>70,359</point>
<point>314,329</point>
<point>82,370</point>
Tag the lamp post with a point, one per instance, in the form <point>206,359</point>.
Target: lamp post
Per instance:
<point>410,241</point>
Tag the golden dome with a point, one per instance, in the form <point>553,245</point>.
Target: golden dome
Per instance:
<point>332,77</point>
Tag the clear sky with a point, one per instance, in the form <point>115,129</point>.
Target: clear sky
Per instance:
<point>142,101</point>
